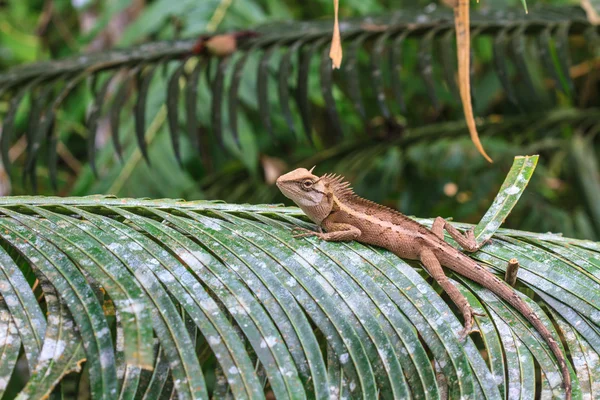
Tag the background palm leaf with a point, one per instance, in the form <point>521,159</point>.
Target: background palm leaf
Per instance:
<point>265,312</point>
<point>376,84</point>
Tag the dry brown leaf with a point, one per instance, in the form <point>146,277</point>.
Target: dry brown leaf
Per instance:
<point>463,44</point>
<point>335,52</point>
<point>273,168</point>
<point>591,12</point>
<point>221,45</point>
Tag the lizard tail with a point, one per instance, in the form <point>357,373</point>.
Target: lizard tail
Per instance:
<point>507,293</point>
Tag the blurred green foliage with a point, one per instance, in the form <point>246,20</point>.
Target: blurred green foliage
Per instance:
<point>438,175</point>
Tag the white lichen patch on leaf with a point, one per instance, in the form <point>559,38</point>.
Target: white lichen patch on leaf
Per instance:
<point>344,358</point>
<point>120,345</point>
<point>512,190</point>
<point>102,332</point>
<point>423,288</point>
<point>486,328</point>
<point>514,391</point>
<point>291,282</point>
<point>203,256</point>
<point>307,254</point>
<point>166,276</point>
<point>269,341</point>
<point>52,349</point>
<point>387,308</point>
<point>554,377</point>
<point>107,357</point>
<point>334,392</point>
<point>323,282</point>
<point>237,310</point>
<point>214,340</point>
<point>208,223</point>
<point>209,305</point>
<point>494,225</point>
<point>7,336</point>
<point>11,301</point>
<point>355,258</point>
<point>134,246</point>
<point>190,260</point>
<point>114,246</point>
<point>131,306</point>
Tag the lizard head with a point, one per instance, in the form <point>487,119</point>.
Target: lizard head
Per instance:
<point>310,192</point>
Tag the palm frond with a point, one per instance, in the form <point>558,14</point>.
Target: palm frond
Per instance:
<point>226,286</point>
<point>216,91</point>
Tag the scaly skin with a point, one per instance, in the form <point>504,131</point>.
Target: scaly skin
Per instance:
<point>330,203</point>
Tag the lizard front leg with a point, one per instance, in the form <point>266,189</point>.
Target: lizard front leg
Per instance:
<point>432,265</point>
<point>336,232</point>
<point>466,240</point>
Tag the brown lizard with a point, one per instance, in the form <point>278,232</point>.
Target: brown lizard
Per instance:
<point>331,204</point>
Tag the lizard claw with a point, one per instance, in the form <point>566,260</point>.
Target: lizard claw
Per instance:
<point>462,335</point>
<point>468,327</point>
<point>298,232</point>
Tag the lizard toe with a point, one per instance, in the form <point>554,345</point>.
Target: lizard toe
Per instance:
<point>468,328</point>
<point>298,232</point>
<point>305,234</point>
<point>301,235</point>
<point>470,234</point>
<point>462,335</point>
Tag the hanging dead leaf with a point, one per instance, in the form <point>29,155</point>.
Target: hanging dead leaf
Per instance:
<point>335,52</point>
<point>273,168</point>
<point>463,44</point>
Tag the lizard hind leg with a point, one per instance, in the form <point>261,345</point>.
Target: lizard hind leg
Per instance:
<point>465,240</point>
<point>432,265</point>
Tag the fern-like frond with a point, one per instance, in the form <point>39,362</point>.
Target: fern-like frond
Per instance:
<point>210,90</point>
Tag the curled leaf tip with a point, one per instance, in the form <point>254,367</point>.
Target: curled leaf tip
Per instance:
<point>468,110</point>
<point>463,43</point>
<point>477,143</point>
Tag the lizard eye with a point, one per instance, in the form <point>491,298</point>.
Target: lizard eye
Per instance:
<point>307,183</point>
